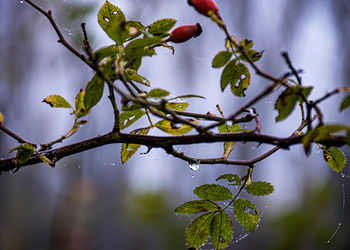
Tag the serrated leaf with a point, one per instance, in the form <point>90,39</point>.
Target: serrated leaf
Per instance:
<point>112,20</point>
<point>237,75</point>
<point>247,219</point>
<point>161,26</point>
<point>104,52</point>
<point>172,128</point>
<point>213,192</point>
<point>128,150</point>
<point>93,91</point>
<point>24,153</point>
<point>345,103</point>
<point>57,101</point>
<point>221,59</point>
<point>129,117</point>
<point>230,178</point>
<point>335,158</point>
<point>157,93</point>
<point>198,231</point>
<point>253,54</point>
<point>287,101</point>
<point>140,47</point>
<point>132,75</point>
<point>197,206</point>
<point>259,188</point>
<point>221,230</point>
<point>178,106</point>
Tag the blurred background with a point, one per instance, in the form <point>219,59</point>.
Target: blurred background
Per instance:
<point>92,201</point>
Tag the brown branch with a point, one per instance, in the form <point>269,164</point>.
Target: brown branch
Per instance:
<point>14,135</point>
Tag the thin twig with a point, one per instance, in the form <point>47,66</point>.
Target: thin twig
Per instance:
<point>14,135</point>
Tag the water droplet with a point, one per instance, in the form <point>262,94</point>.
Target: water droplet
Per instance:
<point>21,1</point>
<point>228,123</point>
<point>342,175</point>
<point>115,12</point>
<point>194,166</point>
<point>106,19</point>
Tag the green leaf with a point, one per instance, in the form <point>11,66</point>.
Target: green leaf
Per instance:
<point>230,178</point>
<point>321,133</point>
<point>132,75</point>
<point>246,44</point>
<point>134,29</point>
<point>345,103</point>
<point>221,59</point>
<point>237,75</point>
<point>197,206</point>
<point>79,105</point>
<point>94,90</point>
<point>253,54</point>
<point>161,26</point>
<point>106,52</point>
<point>259,188</point>
<point>221,230</point>
<point>129,117</point>
<point>140,47</point>
<point>178,106</point>
<point>229,146</point>
<point>46,160</point>
<point>57,101</point>
<point>112,21</point>
<point>82,122</point>
<point>213,192</point>
<point>198,231</point>
<point>134,64</point>
<point>172,128</point>
<point>335,158</point>
<point>286,102</point>
<point>24,153</point>
<point>247,220</point>
<point>128,150</point>
<point>157,93</point>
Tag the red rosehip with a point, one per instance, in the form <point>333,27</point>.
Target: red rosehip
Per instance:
<point>204,6</point>
<point>185,32</point>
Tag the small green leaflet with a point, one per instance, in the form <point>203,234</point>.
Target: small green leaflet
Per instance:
<point>178,106</point>
<point>93,91</point>
<point>80,109</point>
<point>157,93</point>
<point>112,21</point>
<point>247,220</point>
<point>237,75</point>
<point>129,117</point>
<point>24,152</point>
<point>172,128</point>
<point>161,26</point>
<point>221,230</point>
<point>345,103</point>
<point>102,53</point>
<point>57,101</point>
<point>197,206</point>
<point>229,146</point>
<point>132,75</point>
<point>286,102</point>
<point>230,178</point>
<point>335,158</point>
<point>128,150</point>
<point>221,59</point>
<point>259,188</point>
<point>198,231</point>
<point>213,192</point>
<point>140,47</point>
